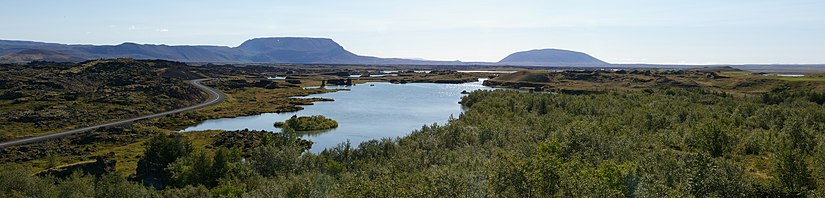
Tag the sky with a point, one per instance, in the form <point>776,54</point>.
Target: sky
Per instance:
<point>616,31</point>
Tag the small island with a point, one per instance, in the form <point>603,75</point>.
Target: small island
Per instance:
<point>308,123</point>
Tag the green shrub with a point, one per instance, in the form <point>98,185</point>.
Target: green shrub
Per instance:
<point>16,181</point>
<point>161,151</point>
<point>713,137</point>
<point>76,185</point>
<point>200,168</point>
<point>793,172</point>
<point>275,160</point>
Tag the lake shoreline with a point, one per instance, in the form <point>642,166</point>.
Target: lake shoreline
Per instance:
<point>409,106</point>
<point>313,99</point>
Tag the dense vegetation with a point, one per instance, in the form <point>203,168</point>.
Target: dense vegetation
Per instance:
<point>308,123</point>
<point>657,143</point>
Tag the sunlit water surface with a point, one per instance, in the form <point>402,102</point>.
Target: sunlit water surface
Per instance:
<point>369,111</point>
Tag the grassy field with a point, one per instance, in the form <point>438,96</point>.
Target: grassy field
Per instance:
<point>789,78</point>
<point>740,83</point>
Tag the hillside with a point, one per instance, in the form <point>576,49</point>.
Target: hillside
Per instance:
<point>42,97</point>
<point>27,55</point>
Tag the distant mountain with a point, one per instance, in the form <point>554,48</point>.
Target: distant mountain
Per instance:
<point>258,50</point>
<point>27,55</point>
<point>25,50</point>
<point>298,50</point>
<point>548,57</point>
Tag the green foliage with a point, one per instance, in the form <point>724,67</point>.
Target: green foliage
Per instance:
<point>537,176</point>
<point>161,151</point>
<point>799,134</point>
<point>200,168</point>
<point>308,123</point>
<point>784,94</point>
<point>187,192</point>
<point>818,166</point>
<point>76,185</point>
<point>227,190</point>
<point>713,137</point>
<point>114,185</point>
<point>793,172</point>
<point>677,174</point>
<point>15,181</point>
<point>51,161</point>
<point>275,159</point>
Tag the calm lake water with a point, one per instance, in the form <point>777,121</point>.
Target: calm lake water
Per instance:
<point>369,111</point>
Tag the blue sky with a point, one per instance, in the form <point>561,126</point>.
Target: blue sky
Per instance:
<point>617,31</point>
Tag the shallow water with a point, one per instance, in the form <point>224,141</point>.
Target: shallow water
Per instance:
<point>368,111</point>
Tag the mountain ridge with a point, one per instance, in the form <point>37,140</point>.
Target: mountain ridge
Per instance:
<point>288,50</point>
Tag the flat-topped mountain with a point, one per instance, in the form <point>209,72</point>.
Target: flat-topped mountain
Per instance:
<point>298,50</point>
<point>545,57</point>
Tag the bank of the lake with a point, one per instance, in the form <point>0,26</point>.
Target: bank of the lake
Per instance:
<point>368,111</point>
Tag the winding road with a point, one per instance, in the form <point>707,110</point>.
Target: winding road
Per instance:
<point>214,98</point>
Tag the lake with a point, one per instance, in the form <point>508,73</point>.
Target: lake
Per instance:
<point>368,111</point>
